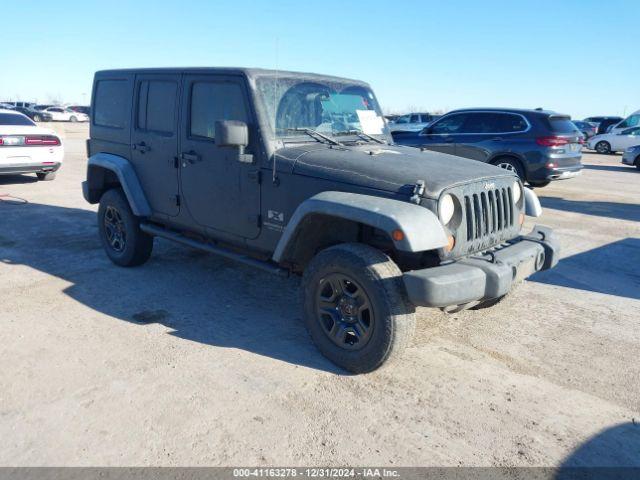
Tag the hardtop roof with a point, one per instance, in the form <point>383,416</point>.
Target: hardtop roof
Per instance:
<point>248,72</point>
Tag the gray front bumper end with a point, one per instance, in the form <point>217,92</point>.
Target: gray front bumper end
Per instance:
<point>486,276</point>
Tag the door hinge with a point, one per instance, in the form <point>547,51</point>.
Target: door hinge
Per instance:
<point>255,175</point>
<point>177,200</point>
<point>176,162</point>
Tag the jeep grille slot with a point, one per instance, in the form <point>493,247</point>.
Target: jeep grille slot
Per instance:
<point>488,212</point>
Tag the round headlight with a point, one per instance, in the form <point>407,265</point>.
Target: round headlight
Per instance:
<point>447,208</point>
<point>517,192</point>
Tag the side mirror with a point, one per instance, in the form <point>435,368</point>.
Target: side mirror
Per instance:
<point>235,134</point>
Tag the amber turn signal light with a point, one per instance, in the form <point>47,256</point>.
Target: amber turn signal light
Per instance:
<point>397,235</point>
<point>521,218</point>
<point>451,242</point>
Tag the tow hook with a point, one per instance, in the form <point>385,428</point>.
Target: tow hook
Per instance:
<point>418,190</point>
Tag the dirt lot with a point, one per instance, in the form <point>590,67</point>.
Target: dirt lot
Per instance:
<point>194,360</point>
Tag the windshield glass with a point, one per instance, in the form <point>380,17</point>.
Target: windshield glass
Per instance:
<point>328,107</point>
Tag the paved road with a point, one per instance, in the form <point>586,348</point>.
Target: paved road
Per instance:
<point>193,360</point>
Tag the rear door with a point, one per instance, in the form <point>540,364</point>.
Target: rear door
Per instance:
<point>485,134</point>
<point>219,191</point>
<point>441,135</point>
<point>154,139</point>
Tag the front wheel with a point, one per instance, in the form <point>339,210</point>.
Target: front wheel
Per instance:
<point>36,118</point>
<point>123,241</point>
<point>355,307</point>
<point>73,119</point>
<point>603,147</point>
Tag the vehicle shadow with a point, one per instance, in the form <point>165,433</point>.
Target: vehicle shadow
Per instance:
<point>622,211</point>
<point>17,179</point>
<point>613,453</point>
<point>200,297</point>
<point>612,168</point>
<point>610,269</point>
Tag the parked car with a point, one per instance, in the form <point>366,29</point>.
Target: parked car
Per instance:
<point>615,142</point>
<point>27,148</point>
<point>602,123</point>
<point>587,129</point>
<point>632,120</point>
<point>19,104</point>
<point>538,145</point>
<point>35,115</point>
<point>631,156</point>
<point>306,181</point>
<point>412,122</point>
<point>61,114</point>
<point>79,108</point>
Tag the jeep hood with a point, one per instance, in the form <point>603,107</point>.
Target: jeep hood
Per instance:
<point>391,168</point>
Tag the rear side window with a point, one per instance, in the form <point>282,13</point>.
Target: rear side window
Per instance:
<point>157,106</point>
<point>211,102</point>
<point>494,122</point>
<point>111,103</point>
<point>13,119</point>
<point>561,124</point>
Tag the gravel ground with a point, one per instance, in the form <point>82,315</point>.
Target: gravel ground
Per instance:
<point>194,360</point>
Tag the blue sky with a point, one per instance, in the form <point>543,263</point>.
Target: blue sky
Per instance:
<point>578,57</point>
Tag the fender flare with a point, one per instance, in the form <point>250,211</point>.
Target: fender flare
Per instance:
<point>122,168</point>
<point>421,227</point>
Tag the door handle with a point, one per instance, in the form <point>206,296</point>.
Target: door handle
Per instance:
<point>497,139</point>
<point>141,147</point>
<point>191,157</point>
<point>448,140</point>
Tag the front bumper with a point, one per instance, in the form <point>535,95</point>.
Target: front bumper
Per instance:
<point>487,276</point>
<point>629,158</point>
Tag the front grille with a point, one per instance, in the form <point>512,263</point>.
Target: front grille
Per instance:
<point>488,212</point>
<point>488,218</point>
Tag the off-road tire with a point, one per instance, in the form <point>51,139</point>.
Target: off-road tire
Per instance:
<point>510,164</point>
<point>46,176</point>
<point>603,147</point>
<point>392,318</point>
<point>137,245</point>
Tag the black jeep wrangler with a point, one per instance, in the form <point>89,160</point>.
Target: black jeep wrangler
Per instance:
<point>297,173</point>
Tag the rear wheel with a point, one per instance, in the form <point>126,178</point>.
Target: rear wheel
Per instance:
<point>73,119</point>
<point>637,162</point>
<point>540,184</point>
<point>603,147</point>
<point>511,165</point>
<point>36,118</point>
<point>356,308</point>
<point>123,241</point>
<point>46,176</point>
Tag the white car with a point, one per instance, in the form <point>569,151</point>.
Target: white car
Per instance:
<point>62,114</point>
<point>632,120</point>
<point>615,142</point>
<point>27,148</point>
<point>412,122</point>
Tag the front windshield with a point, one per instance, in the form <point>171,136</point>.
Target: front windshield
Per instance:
<point>330,108</point>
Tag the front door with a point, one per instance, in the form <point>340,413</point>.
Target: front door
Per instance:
<point>219,191</point>
<point>441,136</point>
<point>154,140</point>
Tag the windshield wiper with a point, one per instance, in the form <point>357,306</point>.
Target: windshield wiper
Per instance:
<point>361,135</point>
<point>315,135</point>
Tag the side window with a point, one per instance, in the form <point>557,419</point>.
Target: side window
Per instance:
<point>426,118</point>
<point>635,131</point>
<point>157,106</point>
<point>448,125</point>
<point>480,123</point>
<point>508,122</point>
<point>415,119</point>
<point>403,119</point>
<point>211,102</point>
<point>110,103</point>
